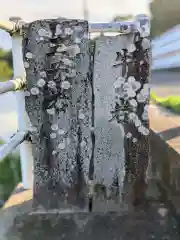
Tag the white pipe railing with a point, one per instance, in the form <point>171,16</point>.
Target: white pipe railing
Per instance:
<point>14,28</point>
<point>8,26</point>
<point>12,85</point>
<point>122,27</point>
<point>23,123</point>
<point>15,141</point>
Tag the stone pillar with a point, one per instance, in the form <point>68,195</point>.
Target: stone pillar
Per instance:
<point>59,106</point>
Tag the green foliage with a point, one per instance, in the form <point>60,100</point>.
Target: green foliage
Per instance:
<point>10,175</point>
<point>165,15</point>
<point>8,58</point>
<point>122,18</point>
<point>171,102</point>
<point>6,71</point>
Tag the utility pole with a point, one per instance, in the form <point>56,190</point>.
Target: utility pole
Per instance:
<point>85,10</point>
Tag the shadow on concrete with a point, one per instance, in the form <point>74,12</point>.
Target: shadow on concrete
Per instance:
<point>170,133</point>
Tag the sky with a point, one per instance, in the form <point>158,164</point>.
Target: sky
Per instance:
<point>99,10</point>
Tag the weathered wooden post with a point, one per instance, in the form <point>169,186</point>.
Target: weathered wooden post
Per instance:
<point>59,105</point>
<point>131,110</point>
<point>120,78</point>
<point>70,90</point>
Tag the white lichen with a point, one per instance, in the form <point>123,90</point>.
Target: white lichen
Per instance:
<point>54,127</point>
<point>146,107</point>
<point>51,84</point>
<point>44,33</point>
<point>58,30</point>
<point>43,74</point>
<point>34,91</point>
<point>137,123</point>
<point>86,35</point>
<point>68,31</point>
<point>51,111</point>
<point>121,117</point>
<point>59,104</point>
<point>143,130</point>
<point>133,103</point>
<point>145,115</point>
<point>68,141</point>
<point>146,43</point>
<point>67,62</point>
<point>77,40</point>
<point>141,98</point>
<point>83,144</point>
<point>29,55</point>
<point>129,135</point>
<point>27,93</point>
<point>65,85</point>
<point>54,152</point>
<point>135,85</point>
<point>63,76</point>
<point>53,135</point>
<point>128,91</point>
<point>132,117</point>
<point>163,211</point>
<point>62,145</point>
<point>131,48</point>
<point>74,50</point>
<point>81,116</point>
<point>119,82</point>
<point>78,28</point>
<point>41,82</point>
<point>72,73</point>
<point>146,31</point>
<point>134,140</point>
<point>61,132</point>
<point>26,64</point>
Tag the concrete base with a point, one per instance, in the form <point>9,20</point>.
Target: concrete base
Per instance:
<point>18,221</point>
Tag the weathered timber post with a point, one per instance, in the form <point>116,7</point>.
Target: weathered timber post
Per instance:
<point>59,105</point>
<point>121,72</point>
<point>132,110</point>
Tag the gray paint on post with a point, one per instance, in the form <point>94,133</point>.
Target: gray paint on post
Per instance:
<point>109,164</point>
<point>121,74</point>
<point>58,103</point>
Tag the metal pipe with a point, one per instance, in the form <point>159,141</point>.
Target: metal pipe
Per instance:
<point>12,85</point>
<point>16,140</point>
<point>122,27</point>
<point>23,121</point>
<point>8,26</point>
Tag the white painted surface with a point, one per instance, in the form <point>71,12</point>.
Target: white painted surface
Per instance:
<point>25,147</point>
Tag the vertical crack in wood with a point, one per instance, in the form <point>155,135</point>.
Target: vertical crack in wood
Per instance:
<point>92,46</point>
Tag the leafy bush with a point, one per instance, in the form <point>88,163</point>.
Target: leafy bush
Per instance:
<point>10,175</point>
<point>171,102</point>
<point>6,71</point>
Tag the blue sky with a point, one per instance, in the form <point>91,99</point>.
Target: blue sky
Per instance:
<point>99,10</point>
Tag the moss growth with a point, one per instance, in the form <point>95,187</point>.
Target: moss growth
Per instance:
<point>171,102</point>
<point>10,175</point>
